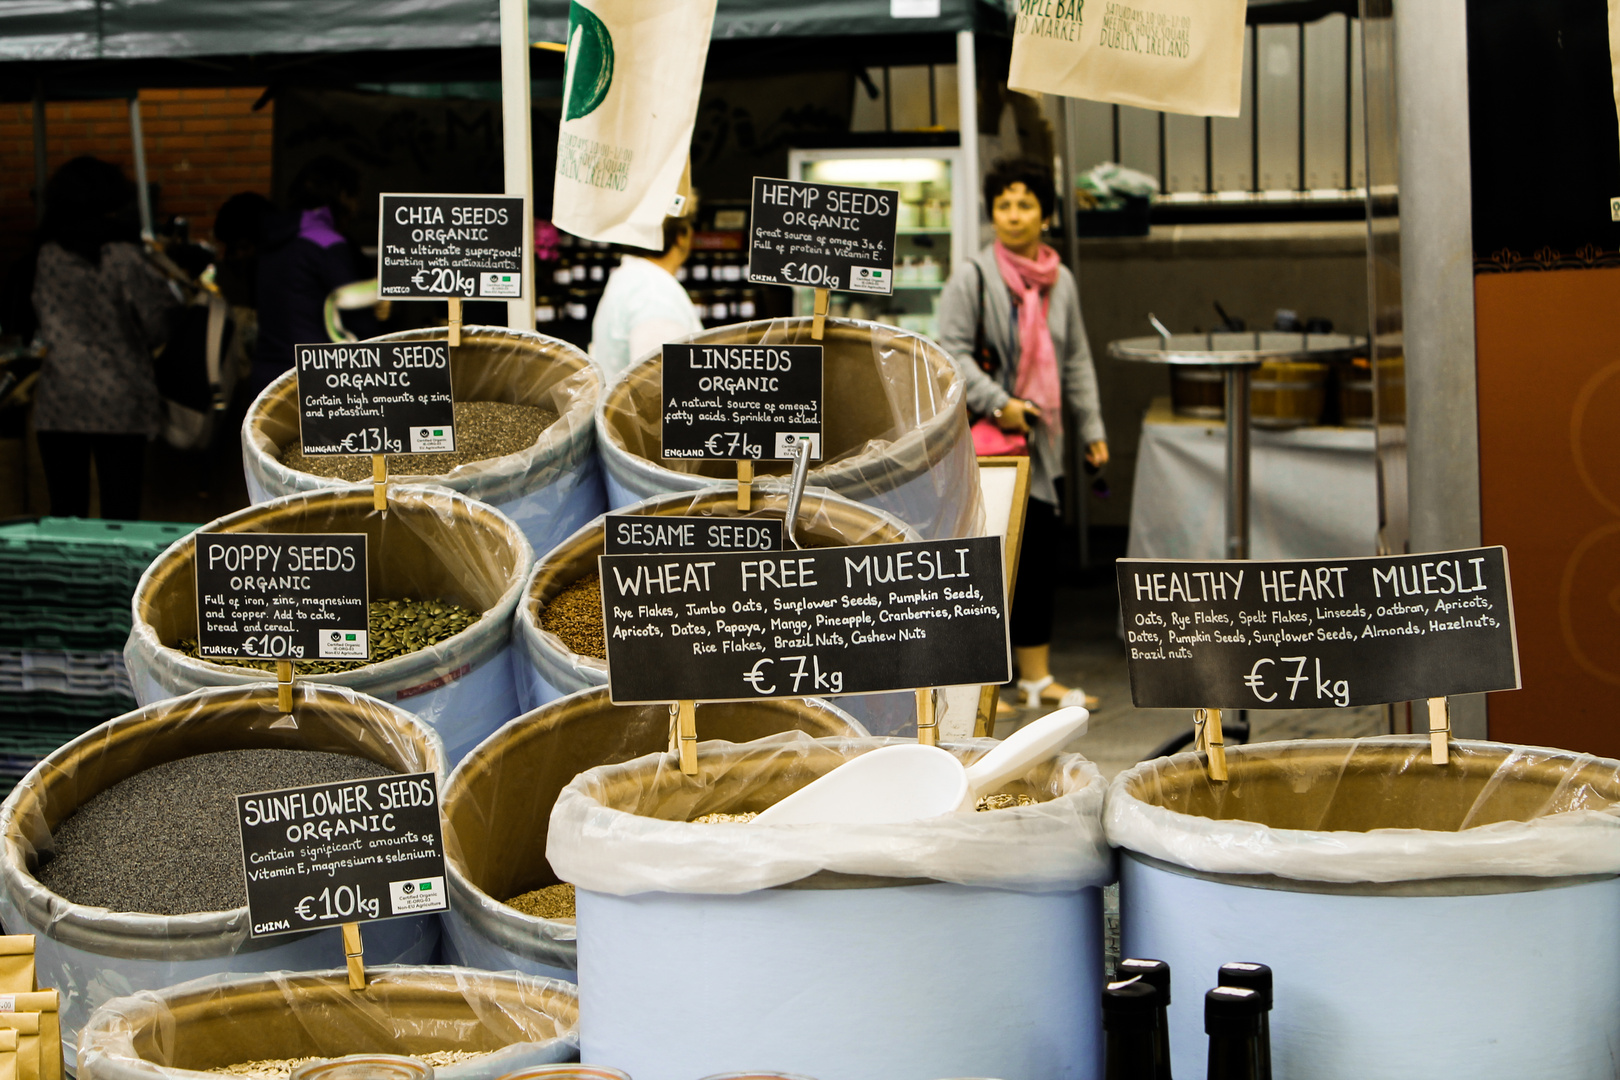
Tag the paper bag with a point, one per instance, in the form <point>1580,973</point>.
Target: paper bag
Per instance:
<point>47,1004</point>
<point>16,963</point>
<point>26,1025</point>
<point>1183,56</point>
<point>630,96</point>
<point>8,1055</point>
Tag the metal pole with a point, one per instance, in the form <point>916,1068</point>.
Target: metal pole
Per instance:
<point>967,111</point>
<point>143,194</point>
<point>516,138</point>
<point>41,175</point>
<point>1237,462</point>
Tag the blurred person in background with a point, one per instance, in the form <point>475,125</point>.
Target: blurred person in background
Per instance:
<point>644,305</point>
<point>103,309</point>
<point>1019,300</point>
<point>304,257</point>
<point>239,232</point>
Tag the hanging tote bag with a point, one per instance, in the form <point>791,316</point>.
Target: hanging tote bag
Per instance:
<point>1183,56</point>
<point>630,96</point>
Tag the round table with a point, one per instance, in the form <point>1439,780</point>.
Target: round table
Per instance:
<point>1237,354</point>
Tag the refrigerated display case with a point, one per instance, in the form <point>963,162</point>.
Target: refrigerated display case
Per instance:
<point>935,231</point>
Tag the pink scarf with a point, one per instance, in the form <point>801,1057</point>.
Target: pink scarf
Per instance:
<point>1031,281</point>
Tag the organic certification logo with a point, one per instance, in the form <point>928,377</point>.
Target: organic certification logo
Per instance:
<point>590,62</point>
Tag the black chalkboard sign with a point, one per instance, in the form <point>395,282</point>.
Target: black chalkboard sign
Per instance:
<point>823,235</point>
<point>1317,633</point>
<point>282,596</point>
<point>821,622</point>
<point>629,534</point>
<point>354,851</point>
<point>741,401</point>
<point>375,397</point>
<point>434,247</point>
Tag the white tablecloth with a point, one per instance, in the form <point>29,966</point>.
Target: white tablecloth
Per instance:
<point>1313,491</point>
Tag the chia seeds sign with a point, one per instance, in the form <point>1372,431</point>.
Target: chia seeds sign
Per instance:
<point>348,852</point>
<point>434,247</point>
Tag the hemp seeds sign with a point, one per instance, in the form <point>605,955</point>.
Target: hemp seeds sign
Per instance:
<point>375,397</point>
<point>1318,633</point>
<point>434,247</point>
<point>741,401</point>
<point>823,235</point>
<point>282,596</point>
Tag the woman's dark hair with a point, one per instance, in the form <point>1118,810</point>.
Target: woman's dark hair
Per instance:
<point>674,229</point>
<point>323,182</point>
<point>1027,171</point>
<point>90,203</point>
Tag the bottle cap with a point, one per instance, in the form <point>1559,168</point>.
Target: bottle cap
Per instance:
<point>1156,972</point>
<point>1256,977</point>
<point>1129,1005</point>
<point>1232,1011</point>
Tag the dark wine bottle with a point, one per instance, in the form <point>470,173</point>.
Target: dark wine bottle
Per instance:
<point>1232,1022</point>
<point>1256,977</point>
<point>1129,1010</point>
<point>1156,973</point>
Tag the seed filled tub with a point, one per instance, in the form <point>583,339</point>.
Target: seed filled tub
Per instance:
<point>430,552</point>
<point>466,1025</point>
<point>964,945</point>
<point>894,435</point>
<point>498,800</point>
<point>117,804</point>
<point>525,434</point>
<point>559,645</point>
<point>1419,920</point>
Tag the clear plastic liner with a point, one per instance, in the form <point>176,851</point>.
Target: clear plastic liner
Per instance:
<point>549,489</point>
<point>431,543</point>
<point>496,798</point>
<point>185,1030</point>
<point>545,668</point>
<point>1375,810</point>
<point>625,829</point>
<point>91,954</point>
<point>895,433</point>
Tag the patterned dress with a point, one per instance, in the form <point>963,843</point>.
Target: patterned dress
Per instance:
<point>100,325</point>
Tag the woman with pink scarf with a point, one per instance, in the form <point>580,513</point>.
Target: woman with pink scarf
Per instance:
<point>1012,321</point>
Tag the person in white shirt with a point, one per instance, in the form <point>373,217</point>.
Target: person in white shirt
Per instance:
<point>643,305</point>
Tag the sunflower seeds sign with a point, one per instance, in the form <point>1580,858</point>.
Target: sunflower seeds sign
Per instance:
<point>1318,633</point>
<point>282,596</point>
<point>434,247</point>
<point>375,397</point>
<point>823,235</point>
<point>352,851</point>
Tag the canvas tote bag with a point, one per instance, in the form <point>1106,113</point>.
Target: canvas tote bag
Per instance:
<point>630,96</point>
<point>1183,56</point>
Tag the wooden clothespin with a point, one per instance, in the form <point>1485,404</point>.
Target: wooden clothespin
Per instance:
<point>379,481</point>
<point>683,734</point>
<point>1210,741</point>
<point>1439,731</point>
<point>354,951</point>
<point>745,484</point>
<point>284,686</point>
<point>455,321</point>
<point>819,324</point>
<point>927,719</point>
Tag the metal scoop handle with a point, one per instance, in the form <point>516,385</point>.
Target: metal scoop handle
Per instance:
<point>801,474</point>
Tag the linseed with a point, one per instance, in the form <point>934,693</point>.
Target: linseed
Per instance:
<point>575,615</point>
<point>483,429</point>
<point>551,902</point>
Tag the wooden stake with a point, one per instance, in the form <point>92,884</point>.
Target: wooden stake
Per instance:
<point>686,730</point>
<point>284,686</point>
<point>745,482</point>
<point>927,722</point>
<point>819,325</point>
<point>1439,731</point>
<point>1207,723</point>
<point>455,321</point>
<point>354,951</point>
<point>379,481</point>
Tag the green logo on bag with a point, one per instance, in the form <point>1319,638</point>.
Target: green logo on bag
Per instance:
<point>590,62</point>
<point>1059,19</point>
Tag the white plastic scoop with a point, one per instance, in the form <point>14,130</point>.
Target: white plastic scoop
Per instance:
<point>909,783</point>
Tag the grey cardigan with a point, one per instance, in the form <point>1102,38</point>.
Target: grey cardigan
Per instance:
<point>958,314</point>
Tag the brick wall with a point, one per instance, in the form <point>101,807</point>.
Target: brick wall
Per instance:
<point>202,146</point>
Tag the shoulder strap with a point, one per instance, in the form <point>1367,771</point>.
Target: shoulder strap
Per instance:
<point>978,323</point>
